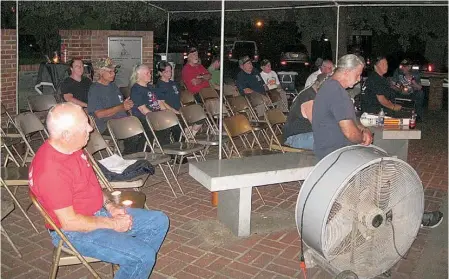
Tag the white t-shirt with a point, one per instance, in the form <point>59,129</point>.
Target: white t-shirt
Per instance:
<point>271,79</point>
<point>312,78</point>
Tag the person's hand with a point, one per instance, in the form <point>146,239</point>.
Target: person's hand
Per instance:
<point>128,104</point>
<point>367,137</point>
<point>397,107</point>
<point>115,210</point>
<point>200,76</point>
<point>196,81</point>
<point>122,223</point>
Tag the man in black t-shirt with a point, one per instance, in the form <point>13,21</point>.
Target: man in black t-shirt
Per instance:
<point>379,93</point>
<point>297,132</point>
<point>76,86</point>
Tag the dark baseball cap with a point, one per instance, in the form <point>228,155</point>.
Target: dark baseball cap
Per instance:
<point>406,62</point>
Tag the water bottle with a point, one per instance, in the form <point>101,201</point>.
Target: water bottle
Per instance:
<point>412,122</point>
<point>381,117</point>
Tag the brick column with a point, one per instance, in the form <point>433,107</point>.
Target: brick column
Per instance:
<point>8,71</point>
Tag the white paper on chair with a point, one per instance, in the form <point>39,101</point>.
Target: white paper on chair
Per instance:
<point>116,163</point>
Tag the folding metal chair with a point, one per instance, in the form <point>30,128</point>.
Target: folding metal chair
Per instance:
<point>7,207</point>
<point>41,104</point>
<point>16,176</point>
<point>208,93</point>
<point>212,107</point>
<point>186,98</point>
<point>193,114</point>
<point>126,91</point>
<point>130,126</point>
<point>65,253</point>
<point>96,145</point>
<point>276,119</point>
<point>10,130</point>
<point>29,124</point>
<point>276,98</point>
<point>161,120</point>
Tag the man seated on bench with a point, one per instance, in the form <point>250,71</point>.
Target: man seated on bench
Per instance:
<point>65,184</point>
<point>297,132</point>
<point>249,81</point>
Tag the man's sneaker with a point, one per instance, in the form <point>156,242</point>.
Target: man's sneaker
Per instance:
<point>431,219</point>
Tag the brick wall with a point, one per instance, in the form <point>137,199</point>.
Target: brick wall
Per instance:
<point>93,44</point>
<point>8,69</point>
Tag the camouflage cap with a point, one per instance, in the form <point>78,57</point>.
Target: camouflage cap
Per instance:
<point>106,63</point>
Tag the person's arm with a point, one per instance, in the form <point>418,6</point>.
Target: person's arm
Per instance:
<point>107,112</point>
<point>306,110</point>
<point>68,97</point>
<point>351,131</point>
<point>387,103</point>
<point>143,109</point>
<point>248,91</point>
<point>165,106</point>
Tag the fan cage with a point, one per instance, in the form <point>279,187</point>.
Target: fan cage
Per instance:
<point>355,237</point>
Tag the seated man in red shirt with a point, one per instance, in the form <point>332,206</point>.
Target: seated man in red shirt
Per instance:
<point>194,75</point>
<point>65,184</point>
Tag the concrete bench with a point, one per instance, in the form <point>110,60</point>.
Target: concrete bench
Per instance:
<point>234,179</point>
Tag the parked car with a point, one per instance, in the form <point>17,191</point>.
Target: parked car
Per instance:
<point>243,48</point>
<point>295,58</point>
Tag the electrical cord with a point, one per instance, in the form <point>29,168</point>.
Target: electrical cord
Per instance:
<point>394,242</point>
<point>302,260</point>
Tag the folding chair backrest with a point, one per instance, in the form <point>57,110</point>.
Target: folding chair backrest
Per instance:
<point>29,123</point>
<point>41,102</point>
<point>237,125</point>
<point>97,143</point>
<point>126,92</point>
<point>186,98</point>
<point>255,99</point>
<point>274,95</point>
<point>229,90</point>
<point>192,113</point>
<point>239,104</point>
<point>208,93</point>
<point>212,106</point>
<point>125,127</point>
<point>66,241</point>
<point>161,120</point>
<point>275,117</point>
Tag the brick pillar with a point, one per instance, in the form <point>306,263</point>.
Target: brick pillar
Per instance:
<point>8,70</point>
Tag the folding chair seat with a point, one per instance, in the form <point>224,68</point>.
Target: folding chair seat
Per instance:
<point>96,145</point>
<point>276,119</point>
<point>130,126</point>
<point>65,253</point>
<point>41,104</point>
<point>29,125</point>
<point>194,114</point>
<point>7,206</point>
<point>162,120</point>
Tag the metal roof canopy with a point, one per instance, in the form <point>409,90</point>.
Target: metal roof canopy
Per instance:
<point>172,7</point>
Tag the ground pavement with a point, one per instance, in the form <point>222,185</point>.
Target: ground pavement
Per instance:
<point>197,246</point>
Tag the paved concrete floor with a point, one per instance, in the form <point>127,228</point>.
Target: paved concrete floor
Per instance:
<point>197,246</point>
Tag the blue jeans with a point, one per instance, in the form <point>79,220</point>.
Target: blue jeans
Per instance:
<point>135,250</point>
<point>304,141</point>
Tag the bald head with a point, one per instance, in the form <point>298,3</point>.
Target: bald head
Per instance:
<point>63,119</point>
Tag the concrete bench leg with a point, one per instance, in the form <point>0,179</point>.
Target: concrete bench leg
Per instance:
<point>397,147</point>
<point>234,210</point>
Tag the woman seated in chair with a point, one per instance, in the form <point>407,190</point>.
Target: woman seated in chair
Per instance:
<point>145,98</point>
<point>169,92</point>
<point>272,81</point>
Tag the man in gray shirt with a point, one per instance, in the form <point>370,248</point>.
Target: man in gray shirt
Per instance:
<point>104,98</point>
<point>334,122</point>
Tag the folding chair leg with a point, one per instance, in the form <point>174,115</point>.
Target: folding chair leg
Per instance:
<point>180,163</point>
<point>282,187</point>
<point>168,181</point>
<point>175,177</point>
<point>257,190</point>
<point>20,207</point>
<point>55,264</point>
<point>10,241</point>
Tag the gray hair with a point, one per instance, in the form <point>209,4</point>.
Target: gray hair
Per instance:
<point>349,62</point>
<point>61,119</point>
<point>135,73</point>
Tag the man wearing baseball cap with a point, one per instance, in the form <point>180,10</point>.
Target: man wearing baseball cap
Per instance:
<point>249,81</point>
<point>194,75</point>
<point>105,101</point>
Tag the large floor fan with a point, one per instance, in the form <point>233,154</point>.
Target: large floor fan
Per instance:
<point>359,210</point>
